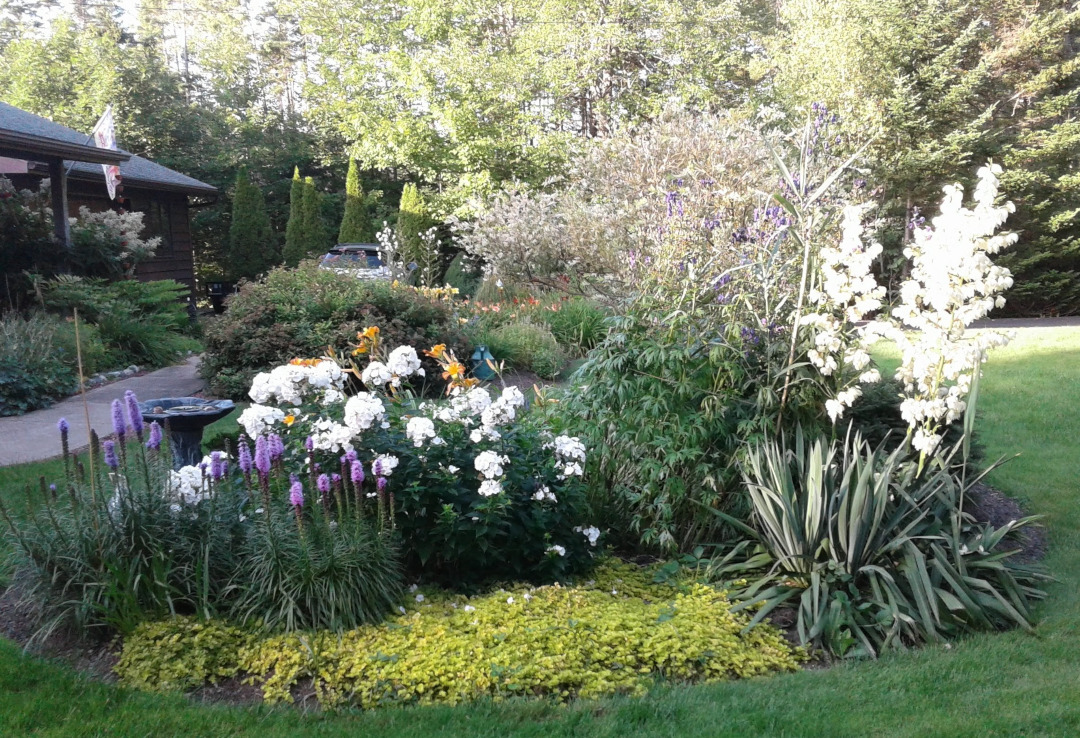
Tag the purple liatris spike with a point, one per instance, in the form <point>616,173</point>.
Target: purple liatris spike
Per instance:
<point>110,455</point>
<point>309,443</point>
<point>63,427</point>
<point>134,414</point>
<point>350,455</point>
<point>276,446</point>
<point>377,467</point>
<point>296,492</point>
<point>155,436</point>
<point>357,473</point>
<point>323,483</point>
<point>119,426</point>
<point>262,455</point>
<point>381,484</point>
<point>217,465</point>
<point>244,457</point>
<point>335,479</point>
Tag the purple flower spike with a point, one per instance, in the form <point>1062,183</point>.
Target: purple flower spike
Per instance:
<point>376,467</point>
<point>244,457</point>
<point>262,455</point>
<point>323,483</point>
<point>62,426</point>
<point>133,412</point>
<point>110,455</point>
<point>217,465</point>
<point>335,480</point>
<point>118,424</point>
<point>357,473</point>
<point>381,484</point>
<point>309,443</point>
<point>155,436</point>
<point>296,492</point>
<point>350,455</point>
<point>276,446</point>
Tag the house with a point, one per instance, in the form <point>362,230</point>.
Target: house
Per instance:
<point>33,148</point>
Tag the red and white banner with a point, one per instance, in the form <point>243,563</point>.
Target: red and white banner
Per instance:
<point>105,138</point>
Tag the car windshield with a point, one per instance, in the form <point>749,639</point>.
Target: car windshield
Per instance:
<point>352,260</point>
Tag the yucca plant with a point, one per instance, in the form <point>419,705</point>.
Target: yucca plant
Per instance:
<point>872,554</point>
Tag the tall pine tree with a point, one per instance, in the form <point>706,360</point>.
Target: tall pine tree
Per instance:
<point>356,225</point>
<point>294,240</point>
<point>252,245</point>
<point>412,221</point>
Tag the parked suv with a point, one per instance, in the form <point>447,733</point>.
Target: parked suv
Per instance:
<point>361,260</point>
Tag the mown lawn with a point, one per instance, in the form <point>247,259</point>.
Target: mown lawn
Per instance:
<point>993,685</point>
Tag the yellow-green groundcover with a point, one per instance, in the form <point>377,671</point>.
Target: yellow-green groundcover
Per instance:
<point>617,633</point>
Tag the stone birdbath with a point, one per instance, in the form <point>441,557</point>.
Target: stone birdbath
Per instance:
<point>185,418</point>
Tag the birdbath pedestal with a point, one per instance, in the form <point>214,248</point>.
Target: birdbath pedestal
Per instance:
<point>184,418</point>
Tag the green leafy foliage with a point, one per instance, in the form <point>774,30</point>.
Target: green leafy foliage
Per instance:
<point>578,324</point>
<point>873,553</point>
<point>303,312</point>
<point>34,368</point>
<point>619,633</point>
<point>141,323</point>
<point>462,275</point>
<point>313,235</point>
<point>252,244</point>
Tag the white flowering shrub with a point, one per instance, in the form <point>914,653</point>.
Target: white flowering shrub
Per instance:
<point>474,485</point>
<point>109,243</point>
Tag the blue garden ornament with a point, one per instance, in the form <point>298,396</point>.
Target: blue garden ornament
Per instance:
<point>481,368</point>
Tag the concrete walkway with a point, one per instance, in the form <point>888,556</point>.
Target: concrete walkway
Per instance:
<point>33,437</point>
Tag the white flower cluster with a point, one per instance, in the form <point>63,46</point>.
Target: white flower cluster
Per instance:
<point>490,465</point>
<point>418,430</point>
<point>464,407</point>
<point>544,493</point>
<point>188,484</point>
<point>362,410</point>
<point>257,420</point>
<point>499,412</point>
<point>848,292</point>
<point>569,456</point>
<point>290,383</point>
<point>953,282</point>
<point>592,533</point>
<point>376,374</point>
<point>402,363</point>
<point>326,435</point>
<point>557,549</point>
<point>384,465</point>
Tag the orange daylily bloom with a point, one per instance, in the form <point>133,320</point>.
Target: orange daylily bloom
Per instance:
<point>306,362</point>
<point>437,351</point>
<point>370,333</point>
<point>289,420</point>
<point>454,371</point>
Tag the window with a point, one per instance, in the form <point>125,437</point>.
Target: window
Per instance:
<point>157,221</point>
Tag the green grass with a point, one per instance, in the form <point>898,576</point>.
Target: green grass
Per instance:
<point>992,685</point>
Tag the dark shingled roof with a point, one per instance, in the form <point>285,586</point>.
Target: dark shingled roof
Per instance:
<point>140,172</point>
<point>136,170</point>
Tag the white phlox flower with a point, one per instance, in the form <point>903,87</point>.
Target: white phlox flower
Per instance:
<point>362,410</point>
<point>257,420</point>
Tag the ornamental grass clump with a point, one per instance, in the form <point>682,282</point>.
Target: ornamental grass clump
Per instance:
<point>618,633</point>
<point>123,538</point>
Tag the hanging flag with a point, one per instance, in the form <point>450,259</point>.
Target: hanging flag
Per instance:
<point>105,138</point>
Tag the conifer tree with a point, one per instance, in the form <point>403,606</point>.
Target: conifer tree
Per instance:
<point>412,221</point>
<point>313,233</point>
<point>356,225</point>
<point>294,245</point>
<point>252,245</point>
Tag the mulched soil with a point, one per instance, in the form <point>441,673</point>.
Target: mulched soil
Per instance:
<point>988,505</point>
